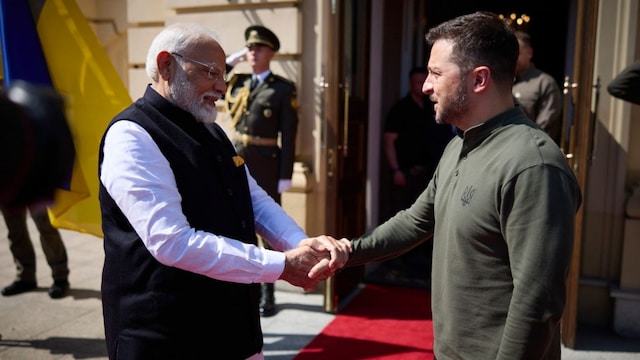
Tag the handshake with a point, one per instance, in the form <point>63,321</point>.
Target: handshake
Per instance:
<point>314,260</point>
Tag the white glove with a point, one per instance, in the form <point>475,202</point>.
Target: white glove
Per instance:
<point>284,185</point>
<point>236,57</point>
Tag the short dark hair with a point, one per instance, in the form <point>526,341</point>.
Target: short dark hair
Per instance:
<point>481,38</point>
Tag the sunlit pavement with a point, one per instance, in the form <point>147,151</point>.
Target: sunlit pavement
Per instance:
<point>35,327</point>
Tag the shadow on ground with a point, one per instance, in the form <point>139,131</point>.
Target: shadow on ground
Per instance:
<point>77,347</point>
<point>282,345</point>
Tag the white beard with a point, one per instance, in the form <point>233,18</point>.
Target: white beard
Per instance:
<point>180,94</point>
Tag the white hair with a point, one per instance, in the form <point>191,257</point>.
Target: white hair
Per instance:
<point>176,38</point>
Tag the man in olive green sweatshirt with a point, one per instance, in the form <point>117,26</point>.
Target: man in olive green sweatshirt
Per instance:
<point>501,206</point>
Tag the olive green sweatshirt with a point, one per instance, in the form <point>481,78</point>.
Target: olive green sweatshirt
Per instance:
<point>501,207</point>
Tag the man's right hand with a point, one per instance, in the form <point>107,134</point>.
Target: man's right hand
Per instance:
<point>338,249</point>
<point>298,263</point>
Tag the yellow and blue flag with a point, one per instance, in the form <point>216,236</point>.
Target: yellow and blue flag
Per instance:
<point>80,70</point>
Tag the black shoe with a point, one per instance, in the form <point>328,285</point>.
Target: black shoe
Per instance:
<point>58,289</point>
<point>267,309</point>
<point>18,287</point>
<point>267,300</point>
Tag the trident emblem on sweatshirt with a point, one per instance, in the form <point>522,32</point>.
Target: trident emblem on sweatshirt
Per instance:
<point>467,195</point>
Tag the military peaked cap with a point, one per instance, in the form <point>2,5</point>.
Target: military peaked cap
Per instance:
<point>257,34</point>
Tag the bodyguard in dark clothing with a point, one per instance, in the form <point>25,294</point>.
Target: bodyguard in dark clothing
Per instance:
<point>626,85</point>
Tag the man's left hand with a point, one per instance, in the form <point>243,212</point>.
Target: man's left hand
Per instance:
<point>338,249</point>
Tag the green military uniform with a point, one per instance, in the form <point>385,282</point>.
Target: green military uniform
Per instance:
<point>265,120</point>
<point>259,118</point>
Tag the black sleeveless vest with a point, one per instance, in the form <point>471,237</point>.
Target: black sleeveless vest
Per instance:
<point>153,311</point>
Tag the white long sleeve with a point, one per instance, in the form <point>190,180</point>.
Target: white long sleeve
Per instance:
<point>141,182</point>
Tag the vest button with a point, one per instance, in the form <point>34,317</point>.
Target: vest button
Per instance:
<point>219,158</point>
<point>230,191</point>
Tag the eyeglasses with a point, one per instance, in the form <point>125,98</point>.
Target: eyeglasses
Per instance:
<point>213,72</point>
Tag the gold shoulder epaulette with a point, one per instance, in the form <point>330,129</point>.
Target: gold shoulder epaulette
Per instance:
<point>232,81</point>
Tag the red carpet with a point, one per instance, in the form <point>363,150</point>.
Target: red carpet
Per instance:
<point>381,322</point>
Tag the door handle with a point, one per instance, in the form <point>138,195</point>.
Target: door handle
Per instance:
<point>345,123</point>
<point>330,162</point>
<point>594,121</point>
<point>569,93</point>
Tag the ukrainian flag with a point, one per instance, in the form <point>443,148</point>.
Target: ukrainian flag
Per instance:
<point>79,69</point>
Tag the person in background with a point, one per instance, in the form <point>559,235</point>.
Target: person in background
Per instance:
<point>180,213</point>
<point>626,85</point>
<point>501,206</point>
<point>413,144</point>
<point>263,108</point>
<point>37,158</point>
<point>536,91</point>
<point>24,255</point>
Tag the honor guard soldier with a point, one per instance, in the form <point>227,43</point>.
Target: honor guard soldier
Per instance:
<point>263,109</point>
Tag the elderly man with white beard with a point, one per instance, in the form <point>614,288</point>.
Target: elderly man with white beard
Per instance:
<point>180,213</point>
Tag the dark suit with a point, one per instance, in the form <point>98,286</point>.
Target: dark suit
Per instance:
<point>626,85</point>
<point>269,112</point>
